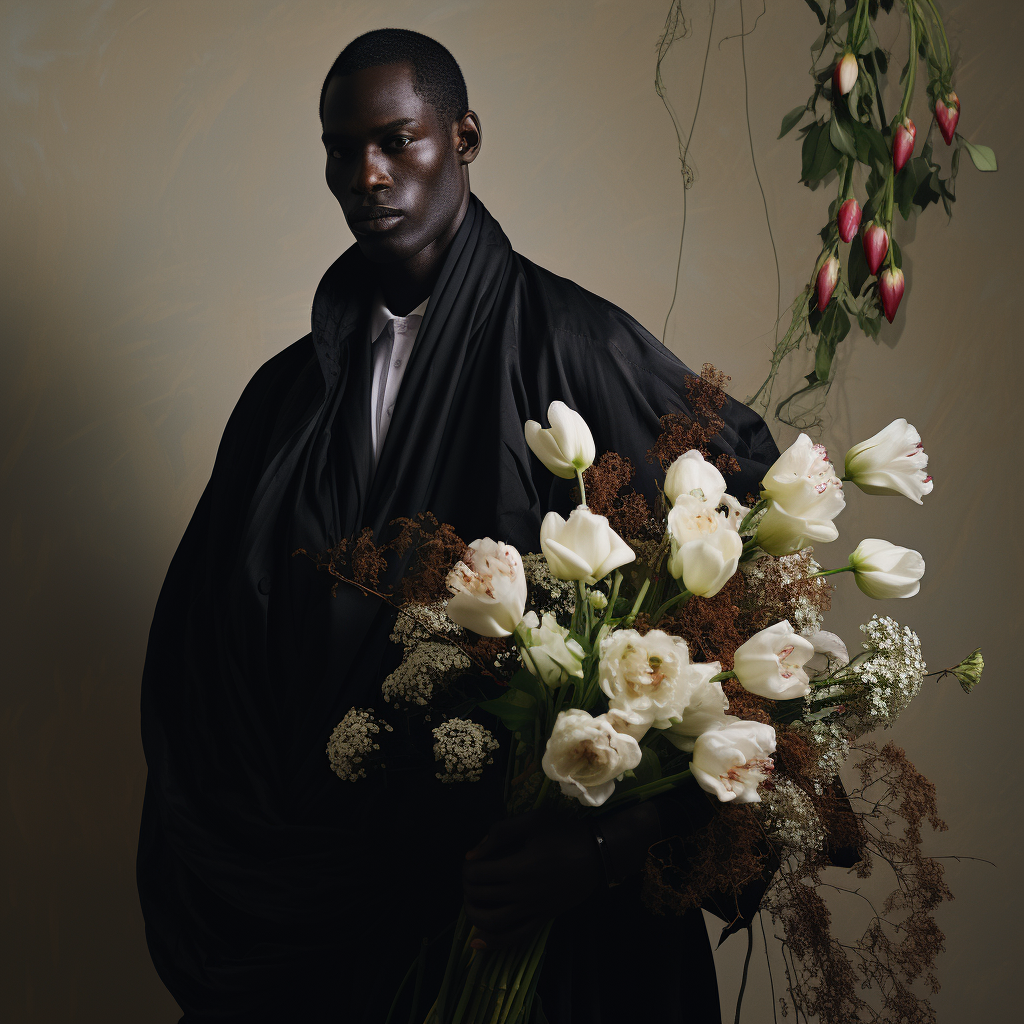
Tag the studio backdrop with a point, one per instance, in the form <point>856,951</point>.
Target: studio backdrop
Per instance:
<point>165,223</point>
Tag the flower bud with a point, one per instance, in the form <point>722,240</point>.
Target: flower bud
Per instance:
<point>947,113</point>
<point>567,446</point>
<point>969,670</point>
<point>583,547</point>
<point>848,219</point>
<point>890,288</point>
<point>903,144</point>
<point>828,277</point>
<point>887,570</point>
<point>876,245</point>
<point>845,74</point>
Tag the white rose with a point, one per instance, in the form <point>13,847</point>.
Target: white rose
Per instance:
<point>585,755</point>
<point>887,570</point>
<point>830,653</point>
<point>549,656</point>
<point>705,711</point>
<point>691,473</point>
<point>705,546</point>
<point>564,447</point>
<point>733,760</point>
<point>650,677</point>
<point>583,547</point>
<point>771,663</point>
<point>891,462</point>
<point>488,589</point>
<point>804,496</point>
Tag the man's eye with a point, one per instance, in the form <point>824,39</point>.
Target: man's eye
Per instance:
<point>399,141</point>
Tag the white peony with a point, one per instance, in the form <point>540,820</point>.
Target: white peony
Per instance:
<point>689,473</point>
<point>771,663</point>
<point>582,547</point>
<point>488,589</point>
<point>549,656</point>
<point>564,447</point>
<point>706,710</point>
<point>887,570</point>
<point>893,461</point>
<point>804,496</point>
<point>705,546</point>
<point>650,677</point>
<point>733,760</point>
<point>585,755</point>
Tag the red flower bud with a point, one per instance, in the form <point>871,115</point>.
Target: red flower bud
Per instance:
<point>876,245</point>
<point>848,219</point>
<point>828,277</point>
<point>845,74</point>
<point>903,144</point>
<point>890,288</point>
<point>947,113</point>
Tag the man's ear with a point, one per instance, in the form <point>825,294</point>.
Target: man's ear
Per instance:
<point>468,137</point>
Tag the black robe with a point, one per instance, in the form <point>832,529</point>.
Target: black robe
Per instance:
<point>270,888</point>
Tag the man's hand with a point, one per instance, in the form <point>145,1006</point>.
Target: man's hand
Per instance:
<point>524,872</point>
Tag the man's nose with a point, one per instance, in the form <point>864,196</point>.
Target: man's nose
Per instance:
<point>371,174</point>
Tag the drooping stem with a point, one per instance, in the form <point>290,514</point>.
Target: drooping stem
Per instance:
<point>682,596</point>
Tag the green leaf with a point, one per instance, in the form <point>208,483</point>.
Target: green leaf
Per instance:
<point>649,768</point>
<point>871,147</point>
<point>983,157</point>
<point>841,138</point>
<point>529,684</point>
<point>897,254</point>
<point>857,267</point>
<point>791,120</point>
<point>515,717</point>
<point>819,156</point>
<point>870,325</point>
<point>818,12</point>
<point>908,182</point>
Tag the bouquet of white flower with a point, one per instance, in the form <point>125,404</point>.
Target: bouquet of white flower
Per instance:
<point>608,696</point>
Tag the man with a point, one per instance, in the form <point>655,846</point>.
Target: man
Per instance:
<point>272,890</point>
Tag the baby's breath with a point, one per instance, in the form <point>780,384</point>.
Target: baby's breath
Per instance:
<point>352,741</point>
<point>465,748</point>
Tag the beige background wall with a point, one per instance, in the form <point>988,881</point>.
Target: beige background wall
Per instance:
<point>165,223</point>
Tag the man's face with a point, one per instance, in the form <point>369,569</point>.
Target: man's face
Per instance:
<point>396,171</point>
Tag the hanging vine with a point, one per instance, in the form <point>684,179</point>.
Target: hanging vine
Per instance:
<point>848,67</point>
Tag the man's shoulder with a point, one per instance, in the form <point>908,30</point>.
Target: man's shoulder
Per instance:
<point>563,313</point>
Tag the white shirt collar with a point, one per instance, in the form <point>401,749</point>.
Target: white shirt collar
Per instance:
<point>380,315</point>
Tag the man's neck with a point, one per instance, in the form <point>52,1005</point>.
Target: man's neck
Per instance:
<point>403,286</point>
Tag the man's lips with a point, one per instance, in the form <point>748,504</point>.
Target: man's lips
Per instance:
<point>373,218</point>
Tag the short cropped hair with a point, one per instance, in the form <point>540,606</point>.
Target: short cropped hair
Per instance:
<point>437,77</point>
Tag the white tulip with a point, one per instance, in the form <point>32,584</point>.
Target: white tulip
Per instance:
<point>771,663</point>
<point>585,755</point>
<point>567,446</point>
<point>705,546</point>
<point>887,570</point>
<point>582,547</point>
<point>830,653</point>
<point>691,473</point>
<point>706,711</point>
<point>804,496</point>
<point>650,677</point>
<point>549,656</point>
<point>733,760</point>
<point>891,462</point>
<point>488,589</point>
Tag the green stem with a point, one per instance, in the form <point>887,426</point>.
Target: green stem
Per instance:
<point>583,490</point>
<point>683,596</point>
<point>908,92</point>
<point>829,572</point>
<point>650,789</point>
<point>763,503</point>
<point>635,610</point>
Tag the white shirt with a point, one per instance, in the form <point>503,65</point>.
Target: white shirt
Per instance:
<point>393,338</point>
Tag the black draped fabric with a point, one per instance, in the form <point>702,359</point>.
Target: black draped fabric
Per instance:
<point>271,888</point>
